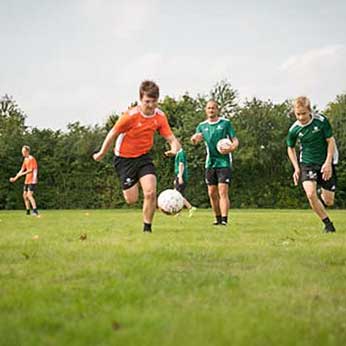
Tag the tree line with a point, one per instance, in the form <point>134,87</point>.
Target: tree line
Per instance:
<point>69,178</point>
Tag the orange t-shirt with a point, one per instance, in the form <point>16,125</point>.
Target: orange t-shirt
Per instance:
<point>30,163</point>
<point>136,132</point>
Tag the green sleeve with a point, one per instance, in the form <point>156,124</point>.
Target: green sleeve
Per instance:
<point>183,156</point>
<point>231,131</point>
<point>179,157</point>
<point>291,139</point>
<point>327,129</point>
<point>199,129</point>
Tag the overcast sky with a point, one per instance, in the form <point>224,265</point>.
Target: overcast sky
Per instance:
<point>80,60</point>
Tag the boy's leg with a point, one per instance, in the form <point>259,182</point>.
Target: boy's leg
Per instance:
<point>215,202</point>
<point>328,197</point>
<point>315,203</point>
<point>148,184</point>
<point>26,202</point>
<point>224,201</point>
<point>131,194</point>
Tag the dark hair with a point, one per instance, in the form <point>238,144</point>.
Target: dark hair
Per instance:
<point>150,89</point>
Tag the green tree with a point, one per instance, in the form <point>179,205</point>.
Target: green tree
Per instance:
<point>12,130</point>
<point>336,112</point>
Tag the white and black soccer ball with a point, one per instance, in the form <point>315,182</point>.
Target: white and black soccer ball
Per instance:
<point>170,202</point>
<point>223,143</point>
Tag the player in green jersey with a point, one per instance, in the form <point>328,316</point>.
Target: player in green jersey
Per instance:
<point>318,155</point>
<point>218,164</point>
<point>181,177</point>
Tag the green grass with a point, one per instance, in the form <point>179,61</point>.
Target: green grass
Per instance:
<point>270,278</point>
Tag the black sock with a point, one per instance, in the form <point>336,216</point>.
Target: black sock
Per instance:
<point>146,227</point>
<point>224,219</point>
<point>28,212</point>
<point>35,211</point>
<point>326,221</point>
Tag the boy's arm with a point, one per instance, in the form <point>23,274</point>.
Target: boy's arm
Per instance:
<point>291,151</point>
<point>107,143</point>
<point>175,145</point>
<point>326,169</point>
<point>20,174</point>
<point>181,172</point>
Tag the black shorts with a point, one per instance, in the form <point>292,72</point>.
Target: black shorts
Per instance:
<point>179,187</point>
<point>313,173</point>
<point>215,176</point>
<point>130,170</point>
<point>29,187</point>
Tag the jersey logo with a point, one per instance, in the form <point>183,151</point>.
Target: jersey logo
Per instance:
<point>315,129</point>
<point>219,127</point>
<point>301,134</point>
<point>206,129</point>
<point>312,175</point>
<point>128,181</point>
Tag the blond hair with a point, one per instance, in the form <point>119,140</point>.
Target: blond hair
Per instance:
<point>214,102</point>
<point>302,101</point>
<point>26,147</point>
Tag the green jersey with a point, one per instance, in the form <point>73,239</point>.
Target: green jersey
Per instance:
<point>181,158</point>
<point>312,139</point>
<point>212,132</point>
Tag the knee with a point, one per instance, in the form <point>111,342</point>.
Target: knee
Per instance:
<point>311,195</point>
<point>223,194</point>
<point>131,199</point>
<point>329,202</point>
<point>25,196</point>
<point>212,194</point>
<point>149,195</point>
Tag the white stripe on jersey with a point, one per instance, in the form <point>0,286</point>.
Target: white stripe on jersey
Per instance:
<point>34,176</point>
<point>118,143</point>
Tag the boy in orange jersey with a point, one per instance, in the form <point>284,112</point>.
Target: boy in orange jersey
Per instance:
<point>29,169</point>
<point>134,135</point>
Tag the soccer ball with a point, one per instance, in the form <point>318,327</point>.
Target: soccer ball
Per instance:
<point>170,202</point>
<point>223,143</point>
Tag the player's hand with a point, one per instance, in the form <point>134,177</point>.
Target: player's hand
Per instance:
<point>229,149</point>
<point>170,153</point>
<point>326,171</point>
<point>196,138</point>
<point>296,176</point>
<point>98,156</point>
<point>12,179</point>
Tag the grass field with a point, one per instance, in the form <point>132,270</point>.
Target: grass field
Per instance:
<point>270,278</point>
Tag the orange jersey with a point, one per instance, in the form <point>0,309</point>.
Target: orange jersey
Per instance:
<point>30,163</point>
<point>136,132</point>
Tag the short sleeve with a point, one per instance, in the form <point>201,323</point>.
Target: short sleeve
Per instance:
<point>199,129</point>
<point>32,164</point>
<point>291,139</point>
<point>165,129</point>
<point>230,130</point>
<point>124,123</point>
<point>327,129</point>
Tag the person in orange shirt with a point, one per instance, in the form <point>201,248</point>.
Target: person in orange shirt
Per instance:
<point>29,169</point>
<point>134,135</point>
